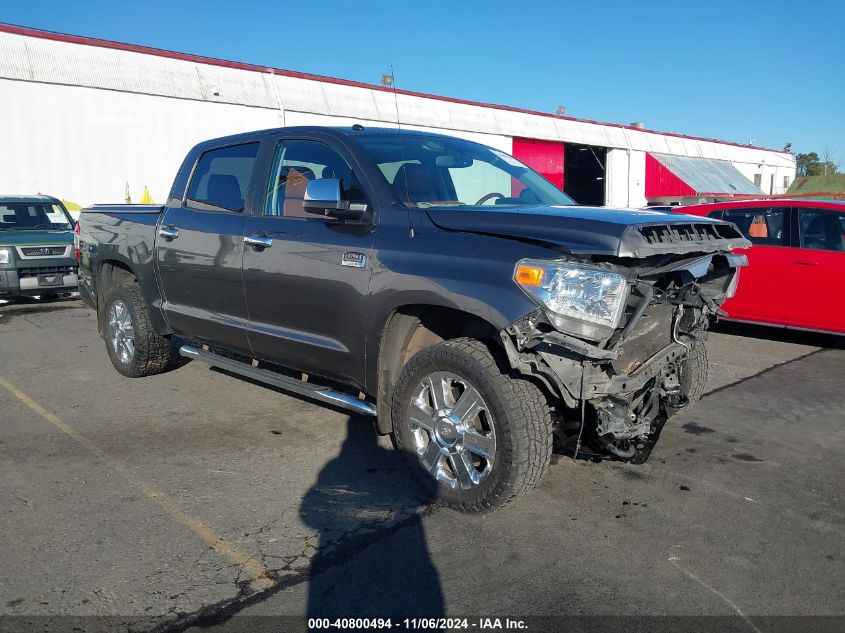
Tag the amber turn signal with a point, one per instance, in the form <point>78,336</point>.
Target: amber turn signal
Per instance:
<point>529,275</point>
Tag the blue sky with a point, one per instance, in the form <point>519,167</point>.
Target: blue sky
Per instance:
<point>769,71</point>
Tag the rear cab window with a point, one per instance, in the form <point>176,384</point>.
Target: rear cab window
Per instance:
<point>221,178</point>
<point>763,226</point>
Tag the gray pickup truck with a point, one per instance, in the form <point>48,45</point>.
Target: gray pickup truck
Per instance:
<point>435,283</point>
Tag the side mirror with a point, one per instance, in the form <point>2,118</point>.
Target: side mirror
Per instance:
<point>323,197</point>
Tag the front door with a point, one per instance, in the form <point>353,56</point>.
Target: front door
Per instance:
<point>200,250</point>
<point>760,296</point>
<point>306,290</point>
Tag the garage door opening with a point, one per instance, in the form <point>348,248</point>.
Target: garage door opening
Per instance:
<point>585,173</point>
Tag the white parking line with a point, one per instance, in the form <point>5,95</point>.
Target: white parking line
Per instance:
<point>674,560</point>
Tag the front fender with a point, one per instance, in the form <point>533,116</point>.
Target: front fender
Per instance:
<point>466,272</point>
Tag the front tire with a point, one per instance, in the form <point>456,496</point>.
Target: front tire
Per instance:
<point>134,347</point>
<point>477,437</point>
<point>694,371</point>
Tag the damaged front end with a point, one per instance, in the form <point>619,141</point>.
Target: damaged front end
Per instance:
<point>619,341</point>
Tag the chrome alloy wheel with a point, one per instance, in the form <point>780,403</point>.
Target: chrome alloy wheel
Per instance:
<point>452,429</point>
<point>121,332</point>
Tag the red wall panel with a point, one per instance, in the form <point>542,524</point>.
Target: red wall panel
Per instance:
<point>662,183</point>
<point>544,157</point>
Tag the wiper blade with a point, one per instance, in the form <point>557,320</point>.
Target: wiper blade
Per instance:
<point>441,203</point>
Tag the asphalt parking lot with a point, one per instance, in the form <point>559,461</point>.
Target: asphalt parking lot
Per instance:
<point>193,499</point>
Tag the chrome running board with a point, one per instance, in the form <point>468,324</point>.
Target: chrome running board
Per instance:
<point>287,383</point>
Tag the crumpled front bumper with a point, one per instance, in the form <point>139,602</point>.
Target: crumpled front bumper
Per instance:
<point>575,379</point>
<point>622,397</point>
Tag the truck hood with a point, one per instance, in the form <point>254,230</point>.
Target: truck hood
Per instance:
<point>596,231</point>
<point>35,238</point>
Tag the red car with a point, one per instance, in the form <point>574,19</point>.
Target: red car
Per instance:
<point>796,272</point>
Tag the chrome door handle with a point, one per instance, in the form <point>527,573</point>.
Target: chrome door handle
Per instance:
<point>258,242</point>
<point>168,232</point>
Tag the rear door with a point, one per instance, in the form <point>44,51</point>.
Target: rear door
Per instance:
<point>818,270</point>
<point>199,249</point>
<point>760,296</point>
<point>306,291</point>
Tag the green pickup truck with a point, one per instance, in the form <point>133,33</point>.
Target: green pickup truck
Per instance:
<point>36,247</point>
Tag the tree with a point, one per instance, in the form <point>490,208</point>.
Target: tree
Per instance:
<point>807,164</point>
<point>811,165</point>
<point>829,163</point>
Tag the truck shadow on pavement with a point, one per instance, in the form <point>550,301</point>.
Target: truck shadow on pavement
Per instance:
<point>781,335</point>
<point>368,490</point>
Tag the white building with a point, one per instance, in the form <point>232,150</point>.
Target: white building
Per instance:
<point>81,118</point>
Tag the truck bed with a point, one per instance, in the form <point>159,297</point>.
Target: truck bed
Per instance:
<point>124,235</point>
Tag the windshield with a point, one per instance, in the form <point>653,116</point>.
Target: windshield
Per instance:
<point>435,171</point>
<point>32,216</point>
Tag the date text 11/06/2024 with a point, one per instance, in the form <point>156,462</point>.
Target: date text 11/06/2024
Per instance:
<point>413,624</point>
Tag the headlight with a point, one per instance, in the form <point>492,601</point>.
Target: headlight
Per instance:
<point>573,291</point>
<point>5,256</point>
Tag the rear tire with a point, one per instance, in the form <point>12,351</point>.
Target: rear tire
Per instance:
<point>134,347</point>
<point>473,458</point>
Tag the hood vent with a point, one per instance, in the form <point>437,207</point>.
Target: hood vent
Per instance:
<point>692,232</point>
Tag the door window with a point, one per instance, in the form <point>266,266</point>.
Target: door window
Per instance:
<point>766,226</point>
<point>221,177</point>
<point>822,230</point>
<point>295,164</point>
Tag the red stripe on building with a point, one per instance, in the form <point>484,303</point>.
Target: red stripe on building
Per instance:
<point>544,157</point>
